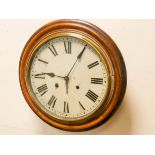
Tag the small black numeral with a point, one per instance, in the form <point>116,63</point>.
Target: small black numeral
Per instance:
<point>43,61</point>
<point>53,50</point>
<point>52,101</point>
<point>93,64</point>
<point>96,80</point>
<point>91,95</point>
<point>66,107</point>
<point>42,89</point>
<point>67,45</point>
<point>81,106</point>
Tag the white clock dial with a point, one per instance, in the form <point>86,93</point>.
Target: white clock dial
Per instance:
<point>68,78</point>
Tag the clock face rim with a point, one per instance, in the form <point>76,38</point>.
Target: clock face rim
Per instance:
<point>105,61</point>
<point>76,27</point>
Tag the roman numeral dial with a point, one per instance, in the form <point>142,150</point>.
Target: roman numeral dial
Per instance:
<point>68,77</point>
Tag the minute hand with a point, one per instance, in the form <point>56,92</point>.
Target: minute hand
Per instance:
<point>78,58</point>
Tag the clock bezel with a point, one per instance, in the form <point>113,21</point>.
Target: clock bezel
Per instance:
<point>112,57</point>
<point>81,36</point>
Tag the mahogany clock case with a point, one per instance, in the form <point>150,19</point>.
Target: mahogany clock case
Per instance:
<point>116,61</point>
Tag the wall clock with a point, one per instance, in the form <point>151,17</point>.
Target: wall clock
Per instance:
<point>72,75</point>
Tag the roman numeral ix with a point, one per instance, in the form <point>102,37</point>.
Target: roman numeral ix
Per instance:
<point>42,89</point>
<point>66,107</point>
<point>91,95</point>
<point>67,45</point>
<point>52,101</point>
<point>96,80</point>
<point>93,64</point>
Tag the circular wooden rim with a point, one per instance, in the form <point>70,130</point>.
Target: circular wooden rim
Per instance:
<point>113,53</point>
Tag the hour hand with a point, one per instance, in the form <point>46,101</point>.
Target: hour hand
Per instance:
<point>49,74</point>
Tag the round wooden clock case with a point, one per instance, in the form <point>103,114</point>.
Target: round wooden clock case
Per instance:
<point>105,48</point>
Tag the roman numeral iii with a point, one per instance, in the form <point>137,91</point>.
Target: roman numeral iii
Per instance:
<point>93,64</point>
<point>91,95</point>
<point>42,89</point>
<point>52,101</point>
<point>66,107</point>
<point>96,80</point>
<point>67,45</point>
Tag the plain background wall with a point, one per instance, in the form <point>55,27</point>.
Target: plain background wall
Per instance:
<point>136,115</point>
